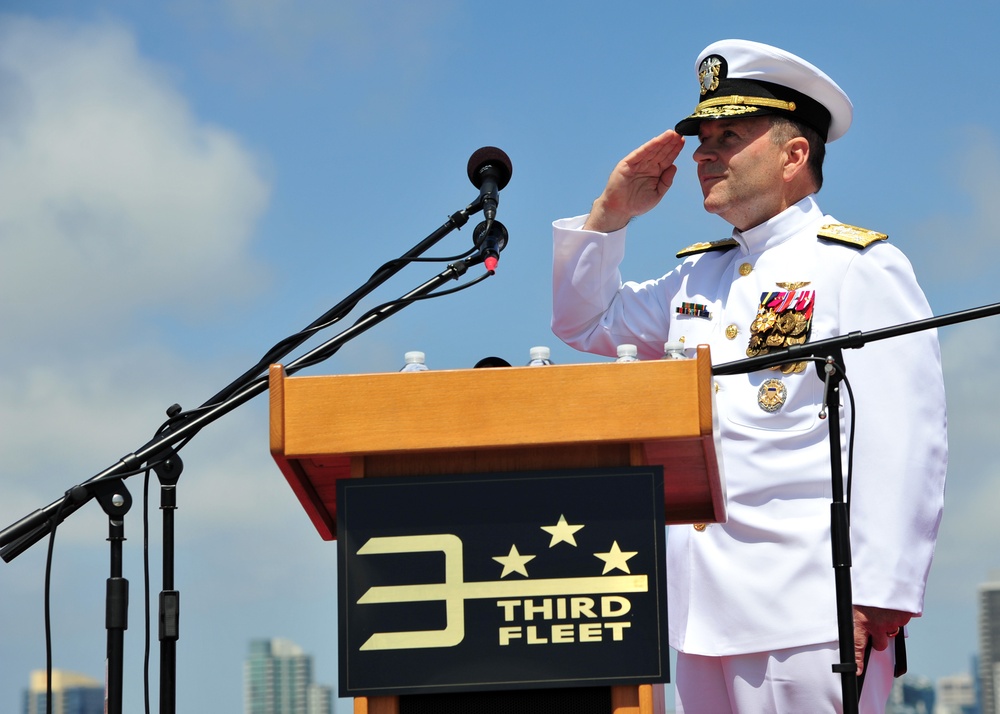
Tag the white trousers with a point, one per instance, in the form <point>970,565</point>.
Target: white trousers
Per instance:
<point>792,681</point>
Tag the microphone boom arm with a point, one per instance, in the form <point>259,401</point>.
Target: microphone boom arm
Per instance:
<point>21,535</point>
<point>852,340</point>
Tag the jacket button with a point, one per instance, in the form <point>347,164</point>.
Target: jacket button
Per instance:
<point>732,331</point>
<point>700,527</point>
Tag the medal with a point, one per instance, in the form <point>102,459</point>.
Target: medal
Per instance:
<point>771,395</point>
<point>783,319</point>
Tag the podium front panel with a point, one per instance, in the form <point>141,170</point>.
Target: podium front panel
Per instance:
<point>487,582</point>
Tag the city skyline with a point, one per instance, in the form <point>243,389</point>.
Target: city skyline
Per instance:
<point>278,678</point>
<point>186,183</point>
<point>278,659</point>
<point>72,693</point>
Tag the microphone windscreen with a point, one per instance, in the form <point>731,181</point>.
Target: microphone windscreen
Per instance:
<point>490,157</point>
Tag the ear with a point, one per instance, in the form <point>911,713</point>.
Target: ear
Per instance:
<point>796,159</point>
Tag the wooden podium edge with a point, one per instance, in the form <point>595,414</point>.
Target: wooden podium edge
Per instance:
<point>625,699</point>
<point>293,470</point>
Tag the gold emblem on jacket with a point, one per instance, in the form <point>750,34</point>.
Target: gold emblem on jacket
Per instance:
<point>784,318</point>
<point>771,395</point>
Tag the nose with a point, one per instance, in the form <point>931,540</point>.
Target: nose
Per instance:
<point>702,153</point>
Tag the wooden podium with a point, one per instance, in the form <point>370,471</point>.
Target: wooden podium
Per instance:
<point>504,419</point>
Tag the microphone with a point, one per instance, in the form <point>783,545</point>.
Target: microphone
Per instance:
<point>489,171</point>
<point>490,237</point>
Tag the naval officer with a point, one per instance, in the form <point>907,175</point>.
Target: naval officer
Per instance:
<point>752,602</point>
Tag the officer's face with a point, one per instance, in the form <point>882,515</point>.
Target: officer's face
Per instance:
<point>740,170</point>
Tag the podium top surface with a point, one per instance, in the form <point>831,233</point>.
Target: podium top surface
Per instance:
<point>515,406</point>
<point>658,412</point>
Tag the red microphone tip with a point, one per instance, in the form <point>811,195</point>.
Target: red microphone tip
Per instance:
<point>491,263</point>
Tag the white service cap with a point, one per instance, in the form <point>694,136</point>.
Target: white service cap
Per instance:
<point>740,78</point>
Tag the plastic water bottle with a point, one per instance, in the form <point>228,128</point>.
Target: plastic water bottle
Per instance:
<point>539,357</point>
<point>673,350</point>
<point>414,362</point>
<point>628,353</point>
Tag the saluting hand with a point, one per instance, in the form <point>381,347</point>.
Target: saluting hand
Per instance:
<point>637,184</point>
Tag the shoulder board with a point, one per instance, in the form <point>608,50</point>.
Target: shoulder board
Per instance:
<point>725,244</point>
<point>850,235</point>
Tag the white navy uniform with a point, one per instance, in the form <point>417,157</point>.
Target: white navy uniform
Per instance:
<point>764,580</point>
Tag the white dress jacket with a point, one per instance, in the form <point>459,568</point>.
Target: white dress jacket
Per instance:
<point>765,580</point>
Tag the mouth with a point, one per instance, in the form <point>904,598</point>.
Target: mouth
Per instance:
<point>708,182</point>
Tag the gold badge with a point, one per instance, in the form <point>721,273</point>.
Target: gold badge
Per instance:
<point>783,319</point>
<point>771,395</point>
<point>792,286</point>
<point>708,74</point>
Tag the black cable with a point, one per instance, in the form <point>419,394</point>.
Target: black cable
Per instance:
<point>288,343</point>
<point>439,293</point>
<point>850,438</point>
<point>279,349</point>
<point>326,354</point>
<point>53,523</point>
<point>146,588</point>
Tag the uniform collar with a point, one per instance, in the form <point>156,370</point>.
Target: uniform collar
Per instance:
<point>780,228</point>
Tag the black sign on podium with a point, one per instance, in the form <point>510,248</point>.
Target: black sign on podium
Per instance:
<point>525,580</point>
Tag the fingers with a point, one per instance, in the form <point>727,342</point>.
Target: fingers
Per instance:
<point>667,177</point>
<point>656,155</point>
<point>880,625</point>
<point>859,653</point>
<point>637,184</point>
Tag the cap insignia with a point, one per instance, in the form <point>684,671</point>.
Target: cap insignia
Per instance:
<point>708,74</point>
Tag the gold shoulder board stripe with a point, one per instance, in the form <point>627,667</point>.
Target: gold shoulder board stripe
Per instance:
<point>705,247</point>
<point>850,235</point>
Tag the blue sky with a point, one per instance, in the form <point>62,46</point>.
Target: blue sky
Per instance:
<point>184,183</point>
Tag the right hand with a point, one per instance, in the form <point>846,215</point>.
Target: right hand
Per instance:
<point>637,184</point>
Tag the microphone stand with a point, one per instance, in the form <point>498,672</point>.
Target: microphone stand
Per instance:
<point>160,454</point>
<point>828,352</point>
<point>168,471</point>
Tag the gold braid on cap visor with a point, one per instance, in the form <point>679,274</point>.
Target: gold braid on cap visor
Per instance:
<point>735,104</point>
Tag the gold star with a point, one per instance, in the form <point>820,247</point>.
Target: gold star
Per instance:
<point>562,532</point>
<point>513,562</point>
<point>616,558</point>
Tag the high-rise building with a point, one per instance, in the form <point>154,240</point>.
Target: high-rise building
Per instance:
<point>911,695</point>
<point>72,693</point>
<point>319,699</point>
<point>278,679</point>
<point>989,645</point>
<point>956,695</point>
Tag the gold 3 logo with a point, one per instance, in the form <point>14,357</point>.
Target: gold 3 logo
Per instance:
<point>454,591</point>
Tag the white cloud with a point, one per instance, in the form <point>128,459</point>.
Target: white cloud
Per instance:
<point>115,199</point>
<point>970,532</point>
<point>113,196</point>
<point>948,248</point>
